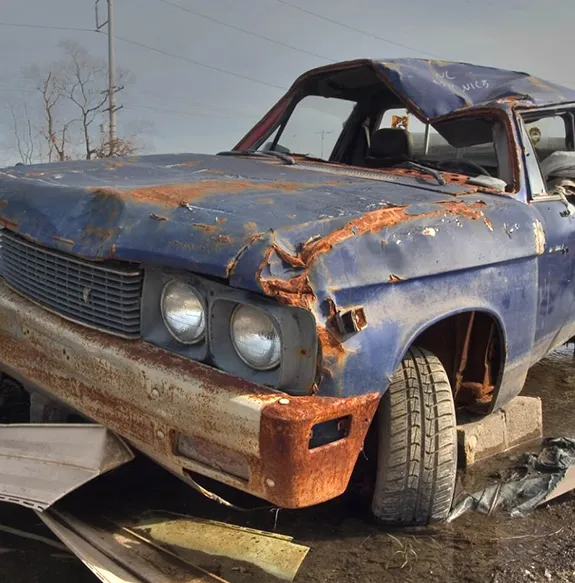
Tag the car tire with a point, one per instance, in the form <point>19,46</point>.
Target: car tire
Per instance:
<point>14,402</point>
<point>417,444</point>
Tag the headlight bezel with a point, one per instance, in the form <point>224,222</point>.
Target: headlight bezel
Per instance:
<point>202,302</point>
<point>296,372</point>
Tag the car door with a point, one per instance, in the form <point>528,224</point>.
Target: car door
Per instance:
<point>545,132</point>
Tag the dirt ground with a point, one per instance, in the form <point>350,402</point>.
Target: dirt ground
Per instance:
<point>346,545</point>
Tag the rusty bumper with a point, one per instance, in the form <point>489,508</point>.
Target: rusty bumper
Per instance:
<point>185,415</point>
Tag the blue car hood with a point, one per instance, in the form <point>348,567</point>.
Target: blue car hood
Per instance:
<point>195,212</point>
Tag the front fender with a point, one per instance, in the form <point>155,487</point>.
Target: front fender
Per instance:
<point>398,313</point>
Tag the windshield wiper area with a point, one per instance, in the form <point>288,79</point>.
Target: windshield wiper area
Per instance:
<point>427,169</point>
<point>261,153</point>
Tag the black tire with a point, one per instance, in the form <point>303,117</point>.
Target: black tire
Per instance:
<point>14,402</point>
<point>417,444</point>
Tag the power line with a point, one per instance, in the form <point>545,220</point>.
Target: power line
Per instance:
<point>195,103</point>
<point>239,75</point>
<point>360,31</point>
<point>150,48</point>
<point>179,112</point>
<point>199,63</point>
<point>249,32</point>
<point>46,27</point>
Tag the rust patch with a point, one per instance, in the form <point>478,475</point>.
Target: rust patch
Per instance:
<point>158,217</point>
<point>231,265</point>
<point>467,211</point>
<point>100,232</point>
<point>174,194</point>
<point>294,292</point>
<point>117,164</point>
<point>225,239</point>
<point>394,278</point>
<point>318,474</point>
<point>449,177</point>
<point>221,219</point>
<point>359,319</point>
<point>331,346</point>
<point>8,223</point>
<point>206,228</point>
<point>250,226</point>
<point>62,240</point>
<point>539,237</point>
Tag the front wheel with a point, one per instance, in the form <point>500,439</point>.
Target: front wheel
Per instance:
<point>417,444</point>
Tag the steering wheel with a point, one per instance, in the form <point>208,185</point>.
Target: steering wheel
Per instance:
<point>460,164</point>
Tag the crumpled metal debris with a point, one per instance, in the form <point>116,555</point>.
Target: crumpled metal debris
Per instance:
<point>538,479</point>
<point>41,463</point>
<point>116,557</point>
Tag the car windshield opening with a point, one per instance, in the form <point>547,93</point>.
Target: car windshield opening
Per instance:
<point>312,129</point>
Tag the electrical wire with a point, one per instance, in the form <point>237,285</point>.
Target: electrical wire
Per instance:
<point>249,32</point>
<point>358,30</point>
<point>199,63</point>
<point>178,111</point>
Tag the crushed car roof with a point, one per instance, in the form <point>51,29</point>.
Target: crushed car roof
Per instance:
<point>434,88</point>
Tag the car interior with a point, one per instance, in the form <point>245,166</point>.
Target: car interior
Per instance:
<point>475,145</point>
<point>552,136</point>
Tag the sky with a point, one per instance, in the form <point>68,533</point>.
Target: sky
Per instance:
<point>217,80</point>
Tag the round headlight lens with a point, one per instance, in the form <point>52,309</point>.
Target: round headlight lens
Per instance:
<point>183,312</point>
<point>255,338</point>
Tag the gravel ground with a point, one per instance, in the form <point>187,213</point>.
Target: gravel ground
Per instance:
<point>346,546</point>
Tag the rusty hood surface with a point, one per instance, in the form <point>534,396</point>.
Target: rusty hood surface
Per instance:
<point>196,212</point>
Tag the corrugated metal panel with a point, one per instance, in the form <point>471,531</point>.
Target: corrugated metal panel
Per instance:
<point>84,291</point>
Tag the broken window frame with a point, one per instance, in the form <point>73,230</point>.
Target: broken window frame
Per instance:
<point>536,185</point>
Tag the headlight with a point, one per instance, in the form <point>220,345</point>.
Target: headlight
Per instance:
<point>183,312</point>
<point>255,338</point>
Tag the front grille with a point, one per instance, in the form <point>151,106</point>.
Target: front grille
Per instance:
<point>95,294</point>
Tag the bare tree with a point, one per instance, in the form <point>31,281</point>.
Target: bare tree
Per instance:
<point>69,110</point>
<point>54,132</point>
<point>24,134</point>
<point>84,84</point>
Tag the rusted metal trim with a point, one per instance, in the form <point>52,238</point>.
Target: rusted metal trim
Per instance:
<point>318,474</point>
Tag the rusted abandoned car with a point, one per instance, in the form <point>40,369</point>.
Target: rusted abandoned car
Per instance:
<point>389,243</point>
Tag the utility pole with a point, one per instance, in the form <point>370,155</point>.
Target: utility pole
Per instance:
<point>112,89</point>
<point>323,134</point>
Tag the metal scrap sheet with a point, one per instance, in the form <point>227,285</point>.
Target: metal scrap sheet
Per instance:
<point>116,557</point>
<point>275,554</point>
<point>39,464</point>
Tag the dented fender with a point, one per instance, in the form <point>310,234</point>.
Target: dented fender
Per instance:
<point>402,268</point>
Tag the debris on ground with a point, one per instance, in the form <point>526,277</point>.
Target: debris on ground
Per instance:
<point>186,535</point>
<point>538,479</point>
<point>163,547</point>
<point>118,557</point>
<point>42,463</point>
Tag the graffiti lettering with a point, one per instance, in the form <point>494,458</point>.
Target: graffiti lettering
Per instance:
<point>483,84</point>
<point>444,83</point>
